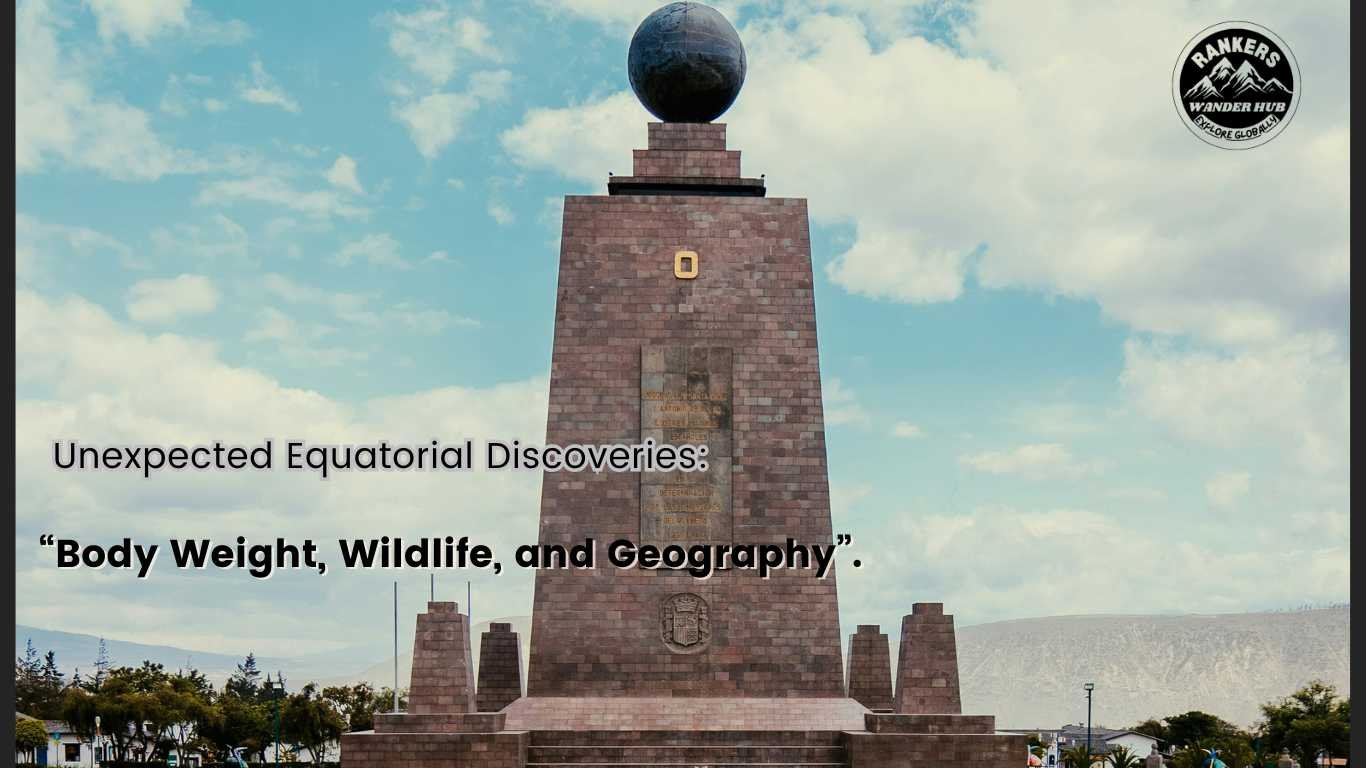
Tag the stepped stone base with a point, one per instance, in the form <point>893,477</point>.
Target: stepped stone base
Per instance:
<point>544,713</point>
<point>918,750</point>
<point>453,722</point>
<point>691,749</point>
<point>546,732</point>
<point>367,749</point>
<point>929,724</point>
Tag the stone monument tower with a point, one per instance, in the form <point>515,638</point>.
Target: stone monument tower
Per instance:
<point>685,313</point>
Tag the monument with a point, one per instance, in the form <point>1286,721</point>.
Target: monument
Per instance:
<point>685,313</point>
<point>869,676</point>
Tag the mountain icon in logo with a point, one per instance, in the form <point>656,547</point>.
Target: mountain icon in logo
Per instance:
<point>1224,81</point>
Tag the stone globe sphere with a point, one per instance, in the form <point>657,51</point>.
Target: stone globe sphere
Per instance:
<point>686,63</point>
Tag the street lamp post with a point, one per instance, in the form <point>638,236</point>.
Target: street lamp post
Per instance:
<point>1089,688</point>
<point>277,692</point>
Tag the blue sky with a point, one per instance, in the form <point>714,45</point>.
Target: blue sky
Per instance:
<point>1075,360</point>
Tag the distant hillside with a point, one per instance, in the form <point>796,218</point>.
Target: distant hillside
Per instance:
<point>79,651</point>
<point>1029,673</point>
<point>381,673</point>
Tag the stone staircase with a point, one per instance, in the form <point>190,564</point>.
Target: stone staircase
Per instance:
<point>684,749</point>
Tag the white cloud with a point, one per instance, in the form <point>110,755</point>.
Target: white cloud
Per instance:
<point>1056,419</point>
<point>183,95</point>
<point>406,317</point>
<point>1224,489</point>
<point>342,175</point>
<point>262,89</point>
<point>841,405</point>
<point>431,41</point>
<point>220,239</point>
<point>1295,395</point>
<point>1041,561</point>
<point>295,292</point>
<point>75,363</point>
<point>275,191</point>
<point>581,142</point>
<point>138,20</point>
<point>59,116</point>
<point>982,161</point>
<point>380,250</point>
<point>890,264</point>
<point>33,240</point>
<point>435,120</point>
<point>624,15</point>
<point>500,213</point>
<point>905,429</point>
<point>169,299</point>
<point>360,310</point>
<point>1136,494</point>
<point>1038,461</point>
<point>301,345</point>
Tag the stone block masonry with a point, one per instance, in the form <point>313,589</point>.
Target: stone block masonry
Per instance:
<point>613,632</point>
<point>870,669</point>
<point>927,666</point>
<point>443,672</point>
<point>500,668</point>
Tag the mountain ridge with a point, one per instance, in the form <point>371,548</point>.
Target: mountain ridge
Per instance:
<point>1028,671</point>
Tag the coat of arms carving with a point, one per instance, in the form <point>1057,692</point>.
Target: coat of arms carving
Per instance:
<point>685,623</point>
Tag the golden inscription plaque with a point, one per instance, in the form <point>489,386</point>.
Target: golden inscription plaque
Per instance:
<point>685,397</point>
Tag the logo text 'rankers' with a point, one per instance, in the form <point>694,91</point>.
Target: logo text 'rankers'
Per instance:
<point>1235,85</point>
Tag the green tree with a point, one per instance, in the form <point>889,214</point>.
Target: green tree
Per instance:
<point>310,721</point>
<point>28,676</point>
<point>29,737</point>
<point>136,712</point>
<point>359,703</point>
<point>237,722</point>
<point>38,684</point>
<point>102,665</point>
<point>1153,727</point>
<point>1077,757</point>
<point>1308,721</point>
<point>245,683</point>
<point>1122,757</point>
<point>184,699</point>
<point>1196,727</point>
<point>51,683</point>
<point>79,707</point>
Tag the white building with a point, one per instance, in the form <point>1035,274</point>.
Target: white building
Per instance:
<point>64,748</point>
<point>1103,741</point>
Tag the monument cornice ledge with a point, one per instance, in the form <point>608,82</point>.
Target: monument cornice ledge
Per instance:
<point>703,186</point>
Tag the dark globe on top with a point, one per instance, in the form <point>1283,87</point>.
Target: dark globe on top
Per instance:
<point>686,63</point>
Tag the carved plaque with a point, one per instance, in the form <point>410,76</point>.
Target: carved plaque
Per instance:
<point>685,623</point>
<point>685,397</point>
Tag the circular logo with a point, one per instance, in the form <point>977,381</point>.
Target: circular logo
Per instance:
<point>1236,85</point>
